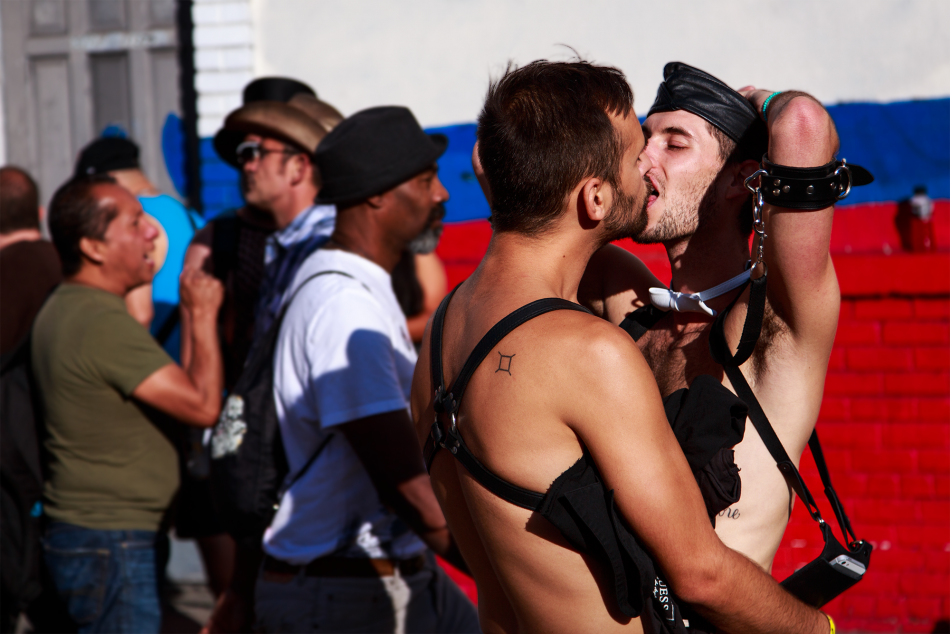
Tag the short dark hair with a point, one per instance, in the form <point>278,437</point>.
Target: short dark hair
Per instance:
<point>19,200</point>
<point>754,143</point>
<point>544,128</point>
<point>76,213</point>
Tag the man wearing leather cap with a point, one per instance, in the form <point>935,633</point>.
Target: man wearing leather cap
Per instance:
<point>705,140</point>
<point>351,545</point>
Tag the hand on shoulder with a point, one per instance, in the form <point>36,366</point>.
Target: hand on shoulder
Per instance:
<point>615,283</point>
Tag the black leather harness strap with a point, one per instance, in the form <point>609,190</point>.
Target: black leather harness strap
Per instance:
<point>447,403</point>
<point>637,323</point>
<point>719,348</point>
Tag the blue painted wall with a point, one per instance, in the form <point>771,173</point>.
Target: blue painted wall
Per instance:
<point>904,144</point>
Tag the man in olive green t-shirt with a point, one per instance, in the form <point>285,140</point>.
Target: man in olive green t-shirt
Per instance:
<point>100,378</point>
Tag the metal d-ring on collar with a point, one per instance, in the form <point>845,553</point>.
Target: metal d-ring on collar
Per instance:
<point>847,170</point>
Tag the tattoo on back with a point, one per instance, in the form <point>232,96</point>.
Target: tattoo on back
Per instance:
<point>731,512</point>
<point>504,363</point>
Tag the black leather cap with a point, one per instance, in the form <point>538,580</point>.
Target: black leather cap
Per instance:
<point>690,89</point>
<point>373,151</point>
<point>107,154</point>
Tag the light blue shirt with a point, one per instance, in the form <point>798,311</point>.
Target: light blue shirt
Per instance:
<point>180,224</point>
<point>284,252</point>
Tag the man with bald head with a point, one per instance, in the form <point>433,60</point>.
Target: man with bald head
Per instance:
<point>29,266</point>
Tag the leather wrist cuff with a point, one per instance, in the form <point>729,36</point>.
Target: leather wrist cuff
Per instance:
<point>810,188</point>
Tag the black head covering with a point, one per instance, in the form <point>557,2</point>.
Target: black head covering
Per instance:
<point>373,151</point>
<point>275,89</point>
<point>107,154</point>
<point>690,89</point>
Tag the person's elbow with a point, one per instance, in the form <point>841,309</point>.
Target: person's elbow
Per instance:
<point>207,418</point>
<point>701,579</point>
<point>203,414</point>
<point>805,118</point>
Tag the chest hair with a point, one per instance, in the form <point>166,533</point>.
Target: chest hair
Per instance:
<point>678,353</point>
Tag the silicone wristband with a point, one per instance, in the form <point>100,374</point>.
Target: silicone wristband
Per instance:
<point>765,106</point>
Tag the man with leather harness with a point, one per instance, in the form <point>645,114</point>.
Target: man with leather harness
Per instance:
<point>705,141</point>
<point>575,510</point>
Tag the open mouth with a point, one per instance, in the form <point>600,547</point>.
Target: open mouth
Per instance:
<point>652,192</point>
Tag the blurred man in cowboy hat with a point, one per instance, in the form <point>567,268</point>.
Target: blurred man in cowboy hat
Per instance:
<point>254,251</point>
<point>279,177</point>
<point>351,545</point>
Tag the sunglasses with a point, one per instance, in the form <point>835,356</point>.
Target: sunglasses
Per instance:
<point>251,151</point>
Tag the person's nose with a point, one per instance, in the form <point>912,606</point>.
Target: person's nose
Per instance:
<point>646,162</point>
<point>151,231</point>
<point>441,194</point>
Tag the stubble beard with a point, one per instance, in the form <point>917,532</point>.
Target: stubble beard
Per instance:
<point>685,213</point>
<point>627,217</point>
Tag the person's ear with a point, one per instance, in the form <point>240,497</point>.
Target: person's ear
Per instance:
<point>298,169</point>
<point>740,172</point>
<point>92,250</point>
<point>480,174</point>
<point>378,200</point>
<point>41,213</point>
<point>595,198</point>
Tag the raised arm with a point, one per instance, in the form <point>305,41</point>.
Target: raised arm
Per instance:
<point>802,288</point>
<point>198,256</point>
<point>639,458</point>
<point>193,395</point>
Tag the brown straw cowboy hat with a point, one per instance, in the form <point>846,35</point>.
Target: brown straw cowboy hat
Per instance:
<point>302,122</point>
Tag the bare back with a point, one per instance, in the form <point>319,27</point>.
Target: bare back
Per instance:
<point>512,419</point>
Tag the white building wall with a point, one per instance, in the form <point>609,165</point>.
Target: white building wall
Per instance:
<point>223,59</point>
<point>436,56</point>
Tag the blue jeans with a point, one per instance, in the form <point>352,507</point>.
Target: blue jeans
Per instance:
<point>106,578</point>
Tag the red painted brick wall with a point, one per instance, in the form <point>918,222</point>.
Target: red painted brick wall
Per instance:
<point>884,422</point>
<point>884,426</point>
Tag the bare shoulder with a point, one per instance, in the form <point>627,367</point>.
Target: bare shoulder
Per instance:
<point>599,356</point>
<point>615,283</point>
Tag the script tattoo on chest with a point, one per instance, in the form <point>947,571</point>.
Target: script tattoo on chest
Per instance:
<point>731,513</point>
<point>504,363</point>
